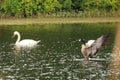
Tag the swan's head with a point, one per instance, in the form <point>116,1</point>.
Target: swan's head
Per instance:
<point>15,33</point>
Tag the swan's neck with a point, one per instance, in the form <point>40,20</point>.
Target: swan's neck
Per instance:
<point>18,39</point>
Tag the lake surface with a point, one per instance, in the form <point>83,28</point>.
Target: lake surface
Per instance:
<point>58,55</point>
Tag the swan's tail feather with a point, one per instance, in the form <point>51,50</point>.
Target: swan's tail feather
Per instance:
<point>38,41</point>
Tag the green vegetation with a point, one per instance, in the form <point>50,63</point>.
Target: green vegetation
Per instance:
<point>58,8</point>
<point>26,21</point>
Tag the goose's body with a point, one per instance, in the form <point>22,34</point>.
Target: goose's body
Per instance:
<point>90,48</point>
<point>90,42</point>
<point>26,42</point>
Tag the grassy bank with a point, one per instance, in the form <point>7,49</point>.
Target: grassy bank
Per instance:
<point>26,21</point>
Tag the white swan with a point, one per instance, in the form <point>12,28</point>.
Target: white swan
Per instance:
<point>28,43</point>
<point>90,48</point>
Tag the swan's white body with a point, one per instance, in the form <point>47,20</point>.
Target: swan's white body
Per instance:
<point>26,42</point>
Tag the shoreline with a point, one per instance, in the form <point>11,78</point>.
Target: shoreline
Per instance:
<point>28,21</point>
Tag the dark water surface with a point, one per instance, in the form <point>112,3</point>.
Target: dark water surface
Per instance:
<point>58,55</point>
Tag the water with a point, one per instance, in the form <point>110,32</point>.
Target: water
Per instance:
<point>58,55</point>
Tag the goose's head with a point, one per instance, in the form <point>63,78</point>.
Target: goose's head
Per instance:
<point>15,33</point>
<point>83,41</point>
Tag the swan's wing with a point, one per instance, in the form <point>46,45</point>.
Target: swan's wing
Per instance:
<point>28,42</point>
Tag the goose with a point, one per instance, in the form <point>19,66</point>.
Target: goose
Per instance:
<point>90,48</point>
<point>28,43</point>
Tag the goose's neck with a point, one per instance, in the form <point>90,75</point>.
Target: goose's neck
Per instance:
<point>18,39</point>
<point>83,41</point>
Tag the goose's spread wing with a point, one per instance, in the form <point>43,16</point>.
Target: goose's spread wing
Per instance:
<point>94,48</point>
<point>101,41</point>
